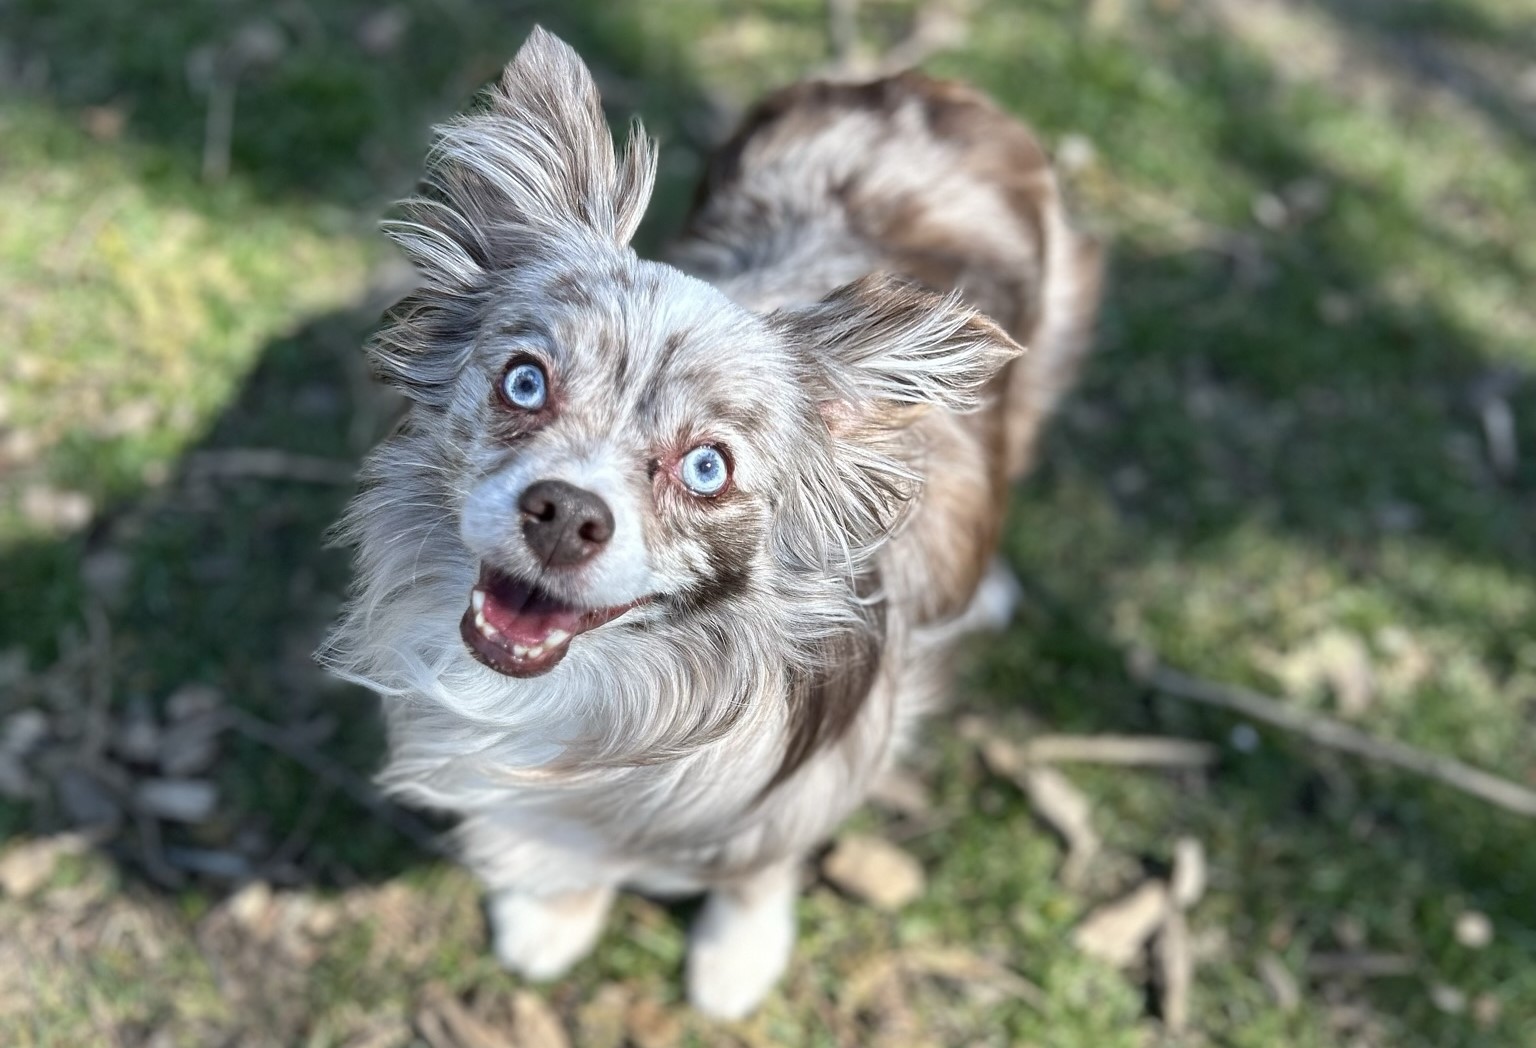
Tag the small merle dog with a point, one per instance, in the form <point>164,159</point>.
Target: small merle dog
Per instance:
<point>664,563</point>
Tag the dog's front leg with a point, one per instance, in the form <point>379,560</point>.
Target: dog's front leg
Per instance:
<point>540,936</point>
<point>546,901</point>
<point>741,941</point>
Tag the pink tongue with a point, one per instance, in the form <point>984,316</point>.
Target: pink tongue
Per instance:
<point>529,628</point>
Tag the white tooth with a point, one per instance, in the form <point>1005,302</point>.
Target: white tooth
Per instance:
<point>479,620</point>
<point>477,600</point>
<point>519,651</point>
<point>556,638</point>
<point>535,651</point>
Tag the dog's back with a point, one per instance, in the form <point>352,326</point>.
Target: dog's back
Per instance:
<point>826,182</point>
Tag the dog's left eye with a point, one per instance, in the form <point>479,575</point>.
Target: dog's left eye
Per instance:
<point>704,470</point>
<point>524,386</point>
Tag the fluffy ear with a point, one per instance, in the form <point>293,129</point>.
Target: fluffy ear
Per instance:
<point>881,349</point>
<point>535,167</point>
<point>880,352</point>
<point>530,173</point>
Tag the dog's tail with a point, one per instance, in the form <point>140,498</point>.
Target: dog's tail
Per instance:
<point>926,178</point>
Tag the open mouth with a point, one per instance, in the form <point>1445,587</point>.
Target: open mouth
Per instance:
<point>517,629</point>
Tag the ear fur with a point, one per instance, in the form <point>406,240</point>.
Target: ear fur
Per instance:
<point>536,165</point>
<point>531,174</point>
<point>879,353</point>
<point>883,350</point>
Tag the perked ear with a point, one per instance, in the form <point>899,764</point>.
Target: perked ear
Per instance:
<point>883,350</point>
<point>535,168</point>
<point>879,353</point>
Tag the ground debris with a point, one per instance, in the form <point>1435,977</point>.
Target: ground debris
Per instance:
<point>1066,810</point>
<point>535,1022</point>
<point>1188,880</point>
<point>1058,803</point>
<point>874,871</point>
<point>651,1025</point>
<point>28,865</point>
<point>1174,964</point>
<point>177,800</point>
<point>1148,751</point>
<point>1473,929</point>
<point>1280,983</point>
<point>1117,932</point>
<point>902,792</point>
<point>890,975</point>
<point>600,1020</point>
<point>444,1021</point>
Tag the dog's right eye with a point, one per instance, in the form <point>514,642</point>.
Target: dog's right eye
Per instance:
<point>524,386</point>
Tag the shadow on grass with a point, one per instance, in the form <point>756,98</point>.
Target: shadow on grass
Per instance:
<point>1345,436</point>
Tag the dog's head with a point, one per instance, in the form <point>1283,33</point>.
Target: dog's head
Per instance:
<point>606,444</point>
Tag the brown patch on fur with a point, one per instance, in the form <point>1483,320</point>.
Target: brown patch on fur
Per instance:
<point>960,515</point>
<point>661,376</point>
<point>569,289</point>
<point>1039,381</point>
<point>824,703</point>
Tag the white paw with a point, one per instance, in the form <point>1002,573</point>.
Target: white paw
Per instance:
<point>540,938</point>
<point>737,952</point>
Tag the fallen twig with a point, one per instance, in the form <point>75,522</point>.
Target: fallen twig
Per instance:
<point>1064,808</point>
<point>1143,750</point>
<point>1325,731</point>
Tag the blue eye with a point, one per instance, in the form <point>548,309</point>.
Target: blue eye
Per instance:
<point>524,387</point>
<point>704,470</point>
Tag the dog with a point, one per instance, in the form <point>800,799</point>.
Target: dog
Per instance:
<point>664,561</point>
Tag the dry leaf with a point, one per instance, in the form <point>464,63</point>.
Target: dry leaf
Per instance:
<point>1336,661</point>
<point>27,866</point>
<point>1117,931</point>
<point>536,1023</point>
<point>651,1025</point>
<point>251,907</point>
<point>874,871</point>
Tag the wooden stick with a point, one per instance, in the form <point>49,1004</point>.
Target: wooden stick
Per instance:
<point>1148,751</point>
<point>1325,731</point>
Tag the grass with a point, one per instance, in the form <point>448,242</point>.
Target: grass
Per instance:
<point>1320,215</point>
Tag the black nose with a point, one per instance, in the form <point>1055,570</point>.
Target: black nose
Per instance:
<point>564,524</point>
